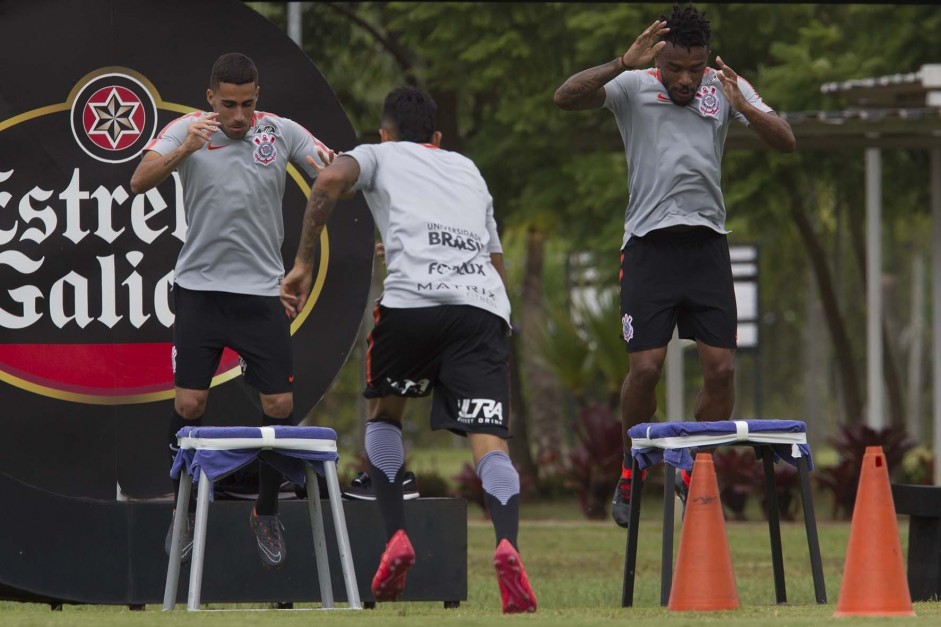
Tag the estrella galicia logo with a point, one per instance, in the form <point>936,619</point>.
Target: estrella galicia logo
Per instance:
<point>86,264</point>
<point>113,117</point>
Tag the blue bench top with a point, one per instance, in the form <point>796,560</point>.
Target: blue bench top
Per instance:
<point>676,442</point>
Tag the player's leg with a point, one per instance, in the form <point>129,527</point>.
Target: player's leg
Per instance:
<point>473,398</point>
<point>648,315</point>
<point>712,317</point>
<point>262,336</point>
<point>501,485</point>
<point>401,362</point>
<point>197,350</point>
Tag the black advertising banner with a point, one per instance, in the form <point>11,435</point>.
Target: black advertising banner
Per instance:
<point>86,386</point>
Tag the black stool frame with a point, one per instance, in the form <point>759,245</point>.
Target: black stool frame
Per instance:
<point>774,527</point>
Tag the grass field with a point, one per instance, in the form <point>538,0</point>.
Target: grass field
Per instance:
<point>575,567</point>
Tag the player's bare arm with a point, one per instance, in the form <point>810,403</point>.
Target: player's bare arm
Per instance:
<point>154,168</point>
<point>333,183</point>
<point>326,158</point>
<point>585,90</point>
<point>773,129</point>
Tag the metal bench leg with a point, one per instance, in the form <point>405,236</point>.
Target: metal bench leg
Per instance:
<point>199,543</point>
<point>666,550</point>
<point>810,523</point>
<point>320,538</point>
<point>179,520</point>
<point>774,528</point>
<point>343,538</point>
<point>630,555</point>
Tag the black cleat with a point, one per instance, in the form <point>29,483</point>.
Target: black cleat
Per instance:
<point>621,504</point>
<point>186,538</point>
<point>269,539</point>
<point>361,487</point>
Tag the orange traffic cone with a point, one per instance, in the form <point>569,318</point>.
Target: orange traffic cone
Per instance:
<point>703,580</point>
<point>874,581</point>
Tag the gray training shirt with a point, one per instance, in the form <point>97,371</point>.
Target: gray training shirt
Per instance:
<point>232,192</point>
<point>674,154</point>
<point>435,217</point>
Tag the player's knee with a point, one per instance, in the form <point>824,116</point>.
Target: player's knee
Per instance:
<point>190,407</point>
<point>719,376</point>
<point>279,407</point>
<point>644,374</point>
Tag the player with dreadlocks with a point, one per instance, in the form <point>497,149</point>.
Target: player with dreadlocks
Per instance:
<point>675,267</point>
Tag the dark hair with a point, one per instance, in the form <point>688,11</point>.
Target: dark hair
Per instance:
<point>689,28</point>
<point>412,112</point>
<point>233,68</point>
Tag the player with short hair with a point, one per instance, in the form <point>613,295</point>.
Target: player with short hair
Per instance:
<point>442,322</point>
<point>675,267</point>
<point>232,163</point>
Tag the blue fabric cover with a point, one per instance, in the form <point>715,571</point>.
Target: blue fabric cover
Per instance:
<point>683,457</point>
<point>219,463</point>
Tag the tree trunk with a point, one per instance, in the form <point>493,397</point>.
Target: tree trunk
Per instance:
<point>544,391</point>
<point>843,353</point>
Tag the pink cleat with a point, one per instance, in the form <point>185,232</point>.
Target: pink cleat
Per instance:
<point>517,594</point>
<point>396,561</point>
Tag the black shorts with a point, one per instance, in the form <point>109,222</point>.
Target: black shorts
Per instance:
<point>459,352</point>
<point>255,327</point>
<point>677,279</point>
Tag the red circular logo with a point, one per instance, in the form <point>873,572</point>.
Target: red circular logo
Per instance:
<point>113,117</point>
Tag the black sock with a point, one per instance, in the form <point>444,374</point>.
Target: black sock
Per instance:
<point>389,498</point>
<point>501,485</point>
<point>505,518</point>
<point>386,458</point>
<point>177,422</point>
<point>269,479</point>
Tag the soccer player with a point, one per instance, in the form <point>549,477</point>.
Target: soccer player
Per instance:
<point>442,323</point>
<point>232,164</point>
<point>675,267</point>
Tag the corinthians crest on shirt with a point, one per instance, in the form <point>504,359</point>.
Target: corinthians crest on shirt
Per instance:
<point>265,151</point>
<point>708,101</point>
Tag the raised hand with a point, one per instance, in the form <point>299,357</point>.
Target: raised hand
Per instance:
<point>729,81</point>
<point>200,131</point>
<point>646,46</point>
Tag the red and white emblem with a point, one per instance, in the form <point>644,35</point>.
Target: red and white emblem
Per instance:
<point>113,116</point>
<point>708,102</point>
<point>265,151</point>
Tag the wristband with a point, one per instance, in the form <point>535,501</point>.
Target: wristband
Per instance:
<point>624,66</point>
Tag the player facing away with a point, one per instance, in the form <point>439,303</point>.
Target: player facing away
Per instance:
<point>442,323</point>
<point>675,267</point>
<point>232,163</point>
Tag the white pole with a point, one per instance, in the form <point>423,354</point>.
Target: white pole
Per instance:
<point>875,417</point>
<point>295,22</point>
<point>936,305</point>
<point>916,348</point>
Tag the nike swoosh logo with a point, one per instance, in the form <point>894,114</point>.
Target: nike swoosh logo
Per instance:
<point>660,97</point>
<point>275,557</point>
<point>209,146</point>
